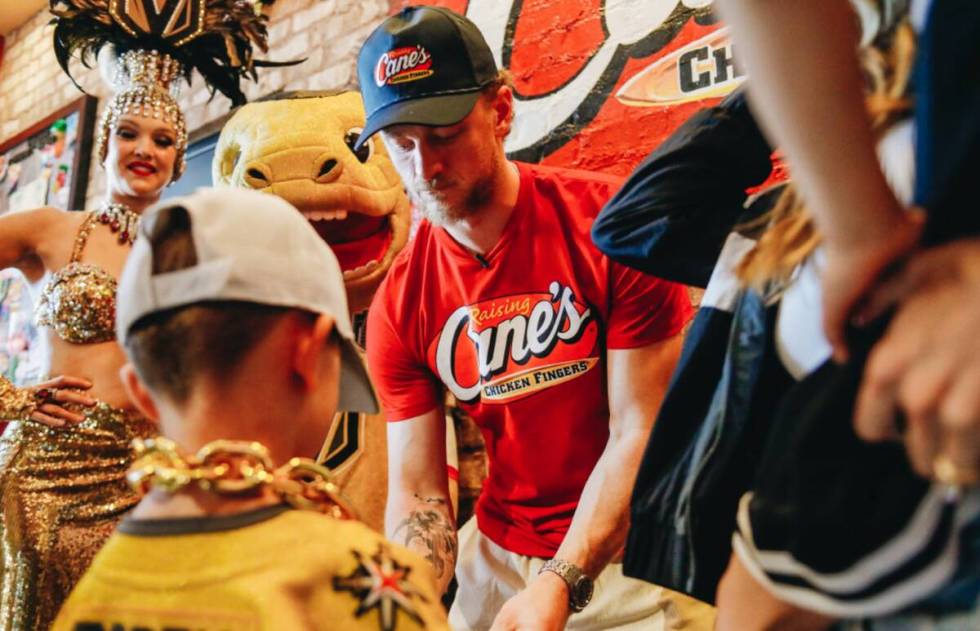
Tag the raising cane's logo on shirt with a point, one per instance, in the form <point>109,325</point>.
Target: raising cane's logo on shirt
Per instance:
<point>401,65</point>
<point>508,348</point>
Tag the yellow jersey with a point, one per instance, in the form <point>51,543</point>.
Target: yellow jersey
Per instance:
<point>272,568</point>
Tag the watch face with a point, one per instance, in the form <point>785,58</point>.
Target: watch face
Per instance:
<point>583,591</point>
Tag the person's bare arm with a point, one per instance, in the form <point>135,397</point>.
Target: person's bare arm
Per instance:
<point>638,380</point>
<point>807,89</point>
<point>419,514</point>
<point>806,86</point>
<point>20,234</point>
<point>743,603</point>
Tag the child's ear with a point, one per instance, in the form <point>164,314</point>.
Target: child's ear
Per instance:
<point>138,393</point>
<point>309,346</point>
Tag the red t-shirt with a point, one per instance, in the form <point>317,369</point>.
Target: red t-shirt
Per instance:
<point>519,338</point>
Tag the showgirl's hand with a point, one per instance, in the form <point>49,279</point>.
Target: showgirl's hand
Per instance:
<point>53,393</point>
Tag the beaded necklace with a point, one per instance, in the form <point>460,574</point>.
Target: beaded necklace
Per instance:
<point>120,219</point>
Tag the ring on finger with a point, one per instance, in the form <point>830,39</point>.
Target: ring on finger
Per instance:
<point>948,472</point>
<point>45,395</point>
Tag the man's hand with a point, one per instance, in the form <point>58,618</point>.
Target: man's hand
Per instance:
<point>927,365</point>
<point>541,606</point>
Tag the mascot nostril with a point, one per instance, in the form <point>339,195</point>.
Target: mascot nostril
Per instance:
<point>257,177</point>
<point>326,169</point>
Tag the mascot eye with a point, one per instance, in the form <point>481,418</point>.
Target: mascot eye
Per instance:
<point>229,160</point>
<point>364,153</point>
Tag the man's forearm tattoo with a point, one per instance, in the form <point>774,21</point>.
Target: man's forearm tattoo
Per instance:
<point>432,531</point>
<point>436,501</point>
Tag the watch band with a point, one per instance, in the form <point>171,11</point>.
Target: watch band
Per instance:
<point>574,577</point>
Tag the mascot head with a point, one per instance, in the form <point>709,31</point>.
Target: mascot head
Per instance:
<point>298,146</point>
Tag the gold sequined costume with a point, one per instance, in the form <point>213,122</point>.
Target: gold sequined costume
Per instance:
<point>63,489</point>
<point>79,300</point>
<point>62,492</point>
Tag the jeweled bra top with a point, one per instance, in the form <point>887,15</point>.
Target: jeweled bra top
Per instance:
<point>79,300</point>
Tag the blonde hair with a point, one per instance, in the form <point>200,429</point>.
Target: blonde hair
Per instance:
<point>790,236</point>
<point>504,78</point>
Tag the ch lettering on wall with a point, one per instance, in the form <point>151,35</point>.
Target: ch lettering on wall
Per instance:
<point>600,83</point>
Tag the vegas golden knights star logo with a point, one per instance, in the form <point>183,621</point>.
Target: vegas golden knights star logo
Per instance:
<point>380,582</point>
<point>177,21</point>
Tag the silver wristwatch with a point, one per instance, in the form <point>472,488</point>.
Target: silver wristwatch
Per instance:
<point>580,586</point>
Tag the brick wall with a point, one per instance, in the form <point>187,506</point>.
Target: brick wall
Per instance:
<point>327,32</point>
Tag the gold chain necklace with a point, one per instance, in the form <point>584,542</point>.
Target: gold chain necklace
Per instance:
<point>234,467</point>
<point>120,219</point>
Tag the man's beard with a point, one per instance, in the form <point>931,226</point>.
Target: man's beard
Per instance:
<point>440,209</point>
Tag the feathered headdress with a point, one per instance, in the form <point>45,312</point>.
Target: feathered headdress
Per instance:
<point>155,43</point>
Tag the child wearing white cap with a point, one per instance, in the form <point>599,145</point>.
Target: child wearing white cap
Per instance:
<point>233,314</point>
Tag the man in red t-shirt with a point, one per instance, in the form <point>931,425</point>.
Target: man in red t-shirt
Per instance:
<point>560,355</point>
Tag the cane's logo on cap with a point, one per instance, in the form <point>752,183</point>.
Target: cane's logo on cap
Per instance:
<point>401,65</point>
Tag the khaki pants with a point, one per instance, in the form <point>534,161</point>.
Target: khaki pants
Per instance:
<point>488,576</point>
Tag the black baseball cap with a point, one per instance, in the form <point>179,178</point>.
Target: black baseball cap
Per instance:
<point>423,66</point>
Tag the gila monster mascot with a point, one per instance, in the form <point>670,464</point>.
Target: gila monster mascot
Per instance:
<point>298,145</point>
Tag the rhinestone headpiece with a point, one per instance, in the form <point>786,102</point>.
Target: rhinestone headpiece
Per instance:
<point>146,84</point>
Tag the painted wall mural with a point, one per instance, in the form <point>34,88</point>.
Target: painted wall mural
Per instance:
<point>600,83</point>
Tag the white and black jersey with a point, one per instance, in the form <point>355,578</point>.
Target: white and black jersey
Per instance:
<point>835,524</point>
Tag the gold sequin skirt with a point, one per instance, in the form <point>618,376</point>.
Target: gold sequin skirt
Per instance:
<point>62,493</point>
